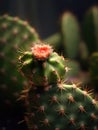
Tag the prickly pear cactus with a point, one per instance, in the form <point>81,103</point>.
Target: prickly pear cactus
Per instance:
<point>70,35</point>
<point>54,105</point>
<point>90,29</point>
<point>14,34</point>
<point>93,70</point>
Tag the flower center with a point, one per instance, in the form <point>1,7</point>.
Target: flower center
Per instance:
<point>41,52</point>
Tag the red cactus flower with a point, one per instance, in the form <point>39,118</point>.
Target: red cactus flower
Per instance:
<point>41,52</point>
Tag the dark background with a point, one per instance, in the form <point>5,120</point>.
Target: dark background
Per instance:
<point>44,15</point>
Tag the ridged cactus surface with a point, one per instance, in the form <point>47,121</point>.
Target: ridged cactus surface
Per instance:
<point>15,34</point>
<point>60,107</point>
<point>55,105</point>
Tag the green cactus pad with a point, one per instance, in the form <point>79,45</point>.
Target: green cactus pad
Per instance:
<point>42,66</point>
<point>70,35</point>
<point>61,107</point>
<point>15,34</point>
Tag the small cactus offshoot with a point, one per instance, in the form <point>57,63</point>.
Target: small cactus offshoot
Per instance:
<point>42,65</point>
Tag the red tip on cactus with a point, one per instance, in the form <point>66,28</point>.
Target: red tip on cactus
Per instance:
<point>41,52</point>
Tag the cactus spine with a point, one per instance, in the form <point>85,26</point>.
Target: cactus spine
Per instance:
<point>54,105</point>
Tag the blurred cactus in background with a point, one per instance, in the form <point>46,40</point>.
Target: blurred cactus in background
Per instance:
<point>90,29</point>
<point>70,33</point>
<point>67,40</point>
<point>89,34</point>
<point>93,70</point>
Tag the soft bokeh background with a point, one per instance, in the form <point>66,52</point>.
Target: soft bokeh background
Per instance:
<point>44,15</point>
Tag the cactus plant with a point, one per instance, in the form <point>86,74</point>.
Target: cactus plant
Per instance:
<point>90,29</point>
<point>93,70</point>
<point>54,105</point>
<point>67,40</point>
<point>70,32</point>
<point>14,33</point>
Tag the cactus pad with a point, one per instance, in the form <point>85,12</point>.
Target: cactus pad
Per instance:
<point>61,106</point>
<point>14,33</point>
<point>70,35</point>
